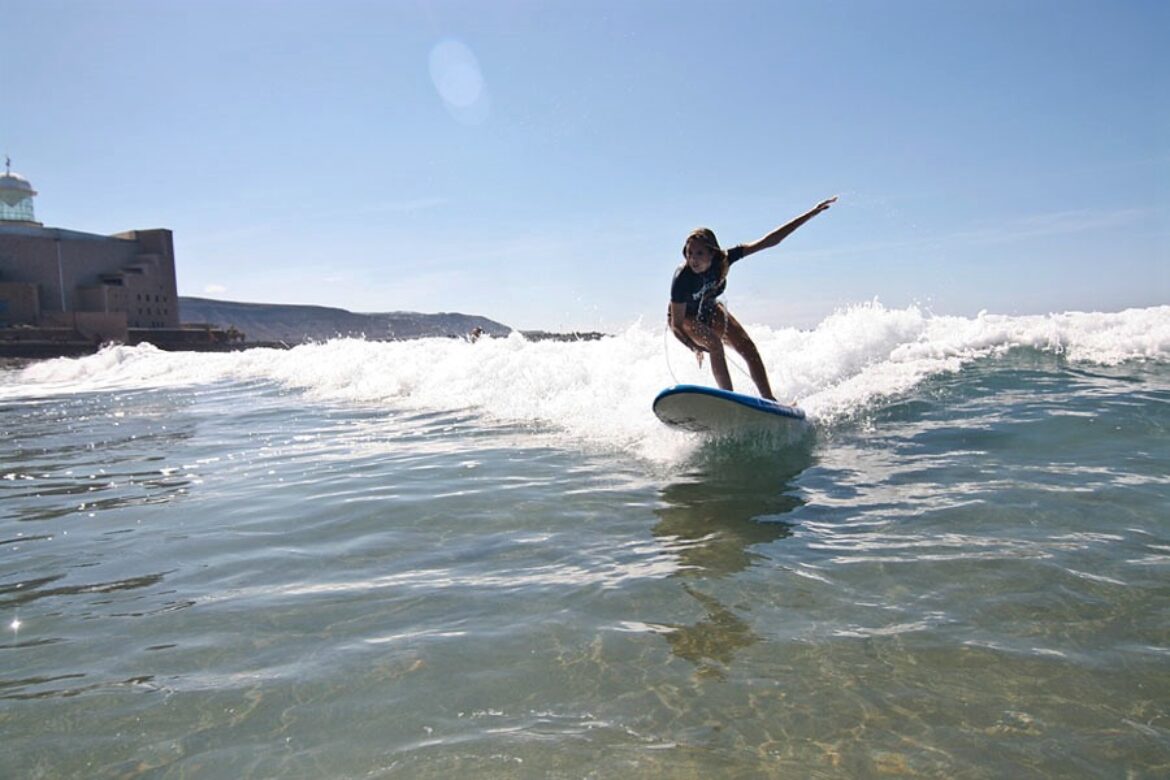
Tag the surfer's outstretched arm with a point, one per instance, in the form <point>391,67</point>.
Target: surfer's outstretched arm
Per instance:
<point>782,232</point>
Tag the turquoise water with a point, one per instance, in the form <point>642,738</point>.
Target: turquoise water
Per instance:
<point>436,559</point>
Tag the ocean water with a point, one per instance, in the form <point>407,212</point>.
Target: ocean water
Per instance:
<point>443,559</point>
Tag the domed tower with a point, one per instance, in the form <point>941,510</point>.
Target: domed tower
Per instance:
<point>16,198</point>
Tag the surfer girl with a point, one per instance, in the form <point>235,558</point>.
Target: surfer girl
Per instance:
<point>699,320</point>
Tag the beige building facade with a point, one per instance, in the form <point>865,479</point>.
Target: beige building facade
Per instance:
<point>101,286</point>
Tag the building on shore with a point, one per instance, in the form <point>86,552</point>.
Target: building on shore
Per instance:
<point>60,286</point>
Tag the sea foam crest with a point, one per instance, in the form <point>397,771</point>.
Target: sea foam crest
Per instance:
<point>600,391</point>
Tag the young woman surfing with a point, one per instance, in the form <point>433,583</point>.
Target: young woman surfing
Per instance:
<point>699,320</point>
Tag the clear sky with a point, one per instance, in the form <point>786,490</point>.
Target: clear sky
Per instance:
<point>540,162</point>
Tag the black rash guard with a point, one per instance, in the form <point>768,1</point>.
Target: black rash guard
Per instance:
<point>699,291</point>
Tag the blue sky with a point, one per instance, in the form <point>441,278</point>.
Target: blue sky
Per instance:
<point>539,163</point>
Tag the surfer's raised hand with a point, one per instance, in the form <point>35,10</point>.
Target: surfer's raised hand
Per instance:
<point>782,232</point>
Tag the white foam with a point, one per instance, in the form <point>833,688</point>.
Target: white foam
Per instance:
<point>599,392</point>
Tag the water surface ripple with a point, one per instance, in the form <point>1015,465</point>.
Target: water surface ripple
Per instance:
<point>233,578</point>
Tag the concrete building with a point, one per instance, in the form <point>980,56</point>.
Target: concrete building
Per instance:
<point>104,288</point>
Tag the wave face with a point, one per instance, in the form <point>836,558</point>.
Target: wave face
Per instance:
<point>598,393</point>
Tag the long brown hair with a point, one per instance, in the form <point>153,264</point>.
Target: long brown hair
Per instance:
<point>706,236</point>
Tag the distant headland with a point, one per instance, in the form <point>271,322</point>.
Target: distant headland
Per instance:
<point>289,324</point>
<point>232,325</point>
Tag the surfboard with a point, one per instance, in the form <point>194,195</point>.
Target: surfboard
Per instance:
<point>711,410</point>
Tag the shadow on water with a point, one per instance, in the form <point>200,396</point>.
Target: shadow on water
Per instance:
<point>731,497</point>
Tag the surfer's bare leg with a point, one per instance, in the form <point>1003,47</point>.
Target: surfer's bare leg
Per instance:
<point>735,335</point>
<point>707,338</point>
<point>719,368</point>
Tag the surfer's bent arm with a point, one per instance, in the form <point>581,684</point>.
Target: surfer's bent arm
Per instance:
<point>782,232</point>
<point>677,316</point>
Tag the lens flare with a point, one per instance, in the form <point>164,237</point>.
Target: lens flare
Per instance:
<point>457,77</point>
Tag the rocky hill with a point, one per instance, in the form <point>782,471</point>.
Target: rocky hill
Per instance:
<point>291,324</point>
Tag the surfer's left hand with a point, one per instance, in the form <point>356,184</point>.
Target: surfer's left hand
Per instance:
<point>824,204</point>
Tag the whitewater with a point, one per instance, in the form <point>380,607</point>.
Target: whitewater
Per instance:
<point>440,558</point>
<point>597,392</point>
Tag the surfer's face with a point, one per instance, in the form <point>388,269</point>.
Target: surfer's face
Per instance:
<point>699,255</point>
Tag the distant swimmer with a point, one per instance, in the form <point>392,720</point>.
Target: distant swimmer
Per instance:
<point>474,335</point>
<point>702,322</point>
